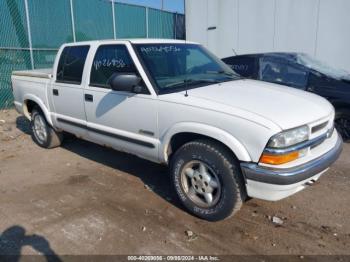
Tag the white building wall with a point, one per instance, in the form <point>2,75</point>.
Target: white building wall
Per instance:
<point>256,25</point>
<point>212,20</point>
<point>296,25</point>
<point>318,27</point>
<point>333,36</point>
<point>228,34</point>
<point>196,20</point>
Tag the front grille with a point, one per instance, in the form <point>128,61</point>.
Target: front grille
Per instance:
<point>327,135</point>
<point>319,127</point>
<point>317,144</point>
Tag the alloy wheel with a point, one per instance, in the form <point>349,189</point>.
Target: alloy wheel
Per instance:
<point>201,184</point>
<point>39,129</point>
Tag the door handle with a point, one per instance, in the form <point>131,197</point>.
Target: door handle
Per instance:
<point>89,98</point>
<point>55,92</point>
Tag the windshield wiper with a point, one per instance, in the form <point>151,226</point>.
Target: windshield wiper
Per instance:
<point>222,72</point>
<point>192,82</point>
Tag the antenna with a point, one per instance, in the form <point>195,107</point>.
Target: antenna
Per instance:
<point>234,51</point>
<point>186,87</point>
<point>186,79</point>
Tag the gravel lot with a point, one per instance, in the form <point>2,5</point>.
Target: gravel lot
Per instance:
<point>86,199</point>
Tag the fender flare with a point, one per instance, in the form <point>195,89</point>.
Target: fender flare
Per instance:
<point>38,101</point>
<point>201,129</point>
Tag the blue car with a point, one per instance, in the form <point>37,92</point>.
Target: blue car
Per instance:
<point>300,71</point>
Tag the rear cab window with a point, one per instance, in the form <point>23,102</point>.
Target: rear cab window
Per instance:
<point>71,64</point>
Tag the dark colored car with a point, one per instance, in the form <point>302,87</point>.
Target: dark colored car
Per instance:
<point>300,71</point>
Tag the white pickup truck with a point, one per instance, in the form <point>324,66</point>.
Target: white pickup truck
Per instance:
<point>172,102</point>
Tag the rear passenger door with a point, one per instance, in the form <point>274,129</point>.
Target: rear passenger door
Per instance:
<point>67,90</point>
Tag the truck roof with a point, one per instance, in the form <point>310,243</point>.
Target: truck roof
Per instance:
<point>133,41</point>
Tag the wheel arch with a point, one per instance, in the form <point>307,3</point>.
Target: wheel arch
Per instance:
<point>30,101</point>
<point>186,132</point>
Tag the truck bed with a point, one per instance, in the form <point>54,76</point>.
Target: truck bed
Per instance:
<point>32,85</point>
<point>41,73</point>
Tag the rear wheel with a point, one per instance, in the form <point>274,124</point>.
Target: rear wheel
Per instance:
<point>42,133</point>
<point>207,180</point>
<point>342,123</point>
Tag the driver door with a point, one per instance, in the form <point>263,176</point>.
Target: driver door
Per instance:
<point>122,120</point>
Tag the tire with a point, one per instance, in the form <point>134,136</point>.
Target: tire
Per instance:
<point>42,133</point>
<point>342,123</point>
<point>227,190</point>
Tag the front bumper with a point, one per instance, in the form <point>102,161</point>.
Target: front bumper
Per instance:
<point>274,184</point>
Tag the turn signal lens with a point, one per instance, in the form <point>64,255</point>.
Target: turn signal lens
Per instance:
<point>279,159</point>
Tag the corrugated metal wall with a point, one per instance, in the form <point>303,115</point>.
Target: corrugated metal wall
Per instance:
<point>31,31</point>
<point>316,27</point>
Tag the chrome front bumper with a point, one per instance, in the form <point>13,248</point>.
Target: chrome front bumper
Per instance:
<point>294,175</point>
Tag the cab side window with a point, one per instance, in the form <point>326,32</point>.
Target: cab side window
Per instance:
<point>110,59</point>
<point>71,64</point>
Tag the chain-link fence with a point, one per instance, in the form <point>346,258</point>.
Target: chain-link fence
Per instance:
<point>31,31</point>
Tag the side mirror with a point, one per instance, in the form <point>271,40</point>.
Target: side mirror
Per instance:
<point>128,82</point>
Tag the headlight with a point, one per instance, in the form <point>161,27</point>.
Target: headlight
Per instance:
<point>284,140</point>
<point>289,138</point>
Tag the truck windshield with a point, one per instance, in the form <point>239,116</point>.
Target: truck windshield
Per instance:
<point>176,67</point>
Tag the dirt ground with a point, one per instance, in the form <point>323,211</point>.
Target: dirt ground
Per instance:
<point>82,198</point>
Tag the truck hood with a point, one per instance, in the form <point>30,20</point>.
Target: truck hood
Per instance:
<point>284,106</point>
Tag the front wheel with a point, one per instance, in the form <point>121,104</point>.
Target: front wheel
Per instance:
<point>207,180</point>
<point>42,133</point>
<point>342,124</point>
